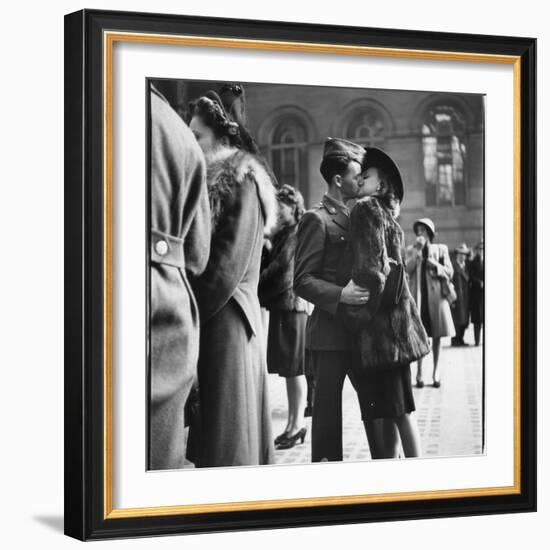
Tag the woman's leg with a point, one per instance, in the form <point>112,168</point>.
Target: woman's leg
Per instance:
<point>419,372</point>
<point>410,436</point>
<point>383,438</point>
<point>296,393</point>
<point>436,346</point>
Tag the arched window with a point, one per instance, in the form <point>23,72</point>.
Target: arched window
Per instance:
<point>444,149</point>
<point>287,152</point>
<point>366,126</point>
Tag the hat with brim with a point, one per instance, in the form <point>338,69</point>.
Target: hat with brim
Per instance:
<point>427,223</point>
<point>462,249</point>
<point>344,150</point>
<point>376,158</point>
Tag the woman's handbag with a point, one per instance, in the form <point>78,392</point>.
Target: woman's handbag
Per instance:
<point>448,290</point>
<point>447,287</point>
<point>393,288</point>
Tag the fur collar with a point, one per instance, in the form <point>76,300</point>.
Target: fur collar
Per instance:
<point>230,167</point>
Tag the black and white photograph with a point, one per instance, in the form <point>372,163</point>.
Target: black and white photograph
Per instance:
<point>316,274</point>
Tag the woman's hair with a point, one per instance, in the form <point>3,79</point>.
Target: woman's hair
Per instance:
<point>387,195</point>
<point>288,195</point>
<point>214,116</point>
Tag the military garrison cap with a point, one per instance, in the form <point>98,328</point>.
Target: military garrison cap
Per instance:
<point>343,149</point>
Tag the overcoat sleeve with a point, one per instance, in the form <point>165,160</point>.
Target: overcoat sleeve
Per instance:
<point>476,274</point>
<point>231,248</point>
<point>444,267</point>
<point>197,241</point>
<point>308,265</point>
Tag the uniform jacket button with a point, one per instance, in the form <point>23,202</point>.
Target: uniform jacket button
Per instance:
<point>161,248</point>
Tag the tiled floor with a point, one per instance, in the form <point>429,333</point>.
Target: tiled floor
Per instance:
<point>449,418</point>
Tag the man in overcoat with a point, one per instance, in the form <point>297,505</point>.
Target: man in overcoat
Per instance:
<point>477,291</point>
<point>323,277</point>
<point>461,308</point>
<point>180,245</point>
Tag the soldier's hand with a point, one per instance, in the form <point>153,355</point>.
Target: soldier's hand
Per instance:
<point>354,295</point>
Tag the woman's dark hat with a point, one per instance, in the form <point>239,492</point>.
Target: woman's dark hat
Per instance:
<point>376,158</point>
<point>427,223</point>
<point>233,99</point>
<point>234,102</point>
<point>214,96</point>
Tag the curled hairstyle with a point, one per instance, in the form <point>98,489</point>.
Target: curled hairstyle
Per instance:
<point>214,116</point>
<point>387,195</point>
<point>288,195</point>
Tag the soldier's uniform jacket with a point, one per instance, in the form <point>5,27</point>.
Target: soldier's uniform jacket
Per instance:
<point>180,245</point>
<point>322,269</point>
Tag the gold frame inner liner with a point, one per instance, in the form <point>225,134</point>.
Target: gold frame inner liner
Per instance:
<point>109,39</point>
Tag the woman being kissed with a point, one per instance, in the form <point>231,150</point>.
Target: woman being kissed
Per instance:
<point>388,329</point>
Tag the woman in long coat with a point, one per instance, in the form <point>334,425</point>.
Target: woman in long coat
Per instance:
<point>389,332</point>
<point>287,314</point>
<point>180,243</point>
<point>428,265</point>
<point>236,417</point>
<point>461,307</point>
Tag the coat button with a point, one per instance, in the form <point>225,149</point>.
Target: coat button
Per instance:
<point>161,248</point>
<point>342,238</point>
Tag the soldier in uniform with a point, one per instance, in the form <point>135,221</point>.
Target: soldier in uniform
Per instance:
<point>323,277</point>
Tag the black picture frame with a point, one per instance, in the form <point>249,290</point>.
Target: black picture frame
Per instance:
<point>85,493</point>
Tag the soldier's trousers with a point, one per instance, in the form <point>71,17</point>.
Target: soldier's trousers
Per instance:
<point>330,371</point>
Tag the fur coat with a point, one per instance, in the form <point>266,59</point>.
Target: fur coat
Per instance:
<point>386,336</point>
<point>277,276</point>
<point>231,168</point>
<point>237,183</point>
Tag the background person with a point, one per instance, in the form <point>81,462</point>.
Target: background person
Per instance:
<point>287,314</point>
<point>388,331</point>
<point>477,291</point>
<point>236,416</point>
<point>428,264</point>
<point>461,308</point>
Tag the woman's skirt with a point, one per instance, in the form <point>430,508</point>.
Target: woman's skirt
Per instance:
<point>385,393</point>
<point>286,343</point>
<point>236,416</point>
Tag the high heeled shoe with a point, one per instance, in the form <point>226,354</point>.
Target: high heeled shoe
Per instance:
<point>280,438</point>
<point>290,441</point>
